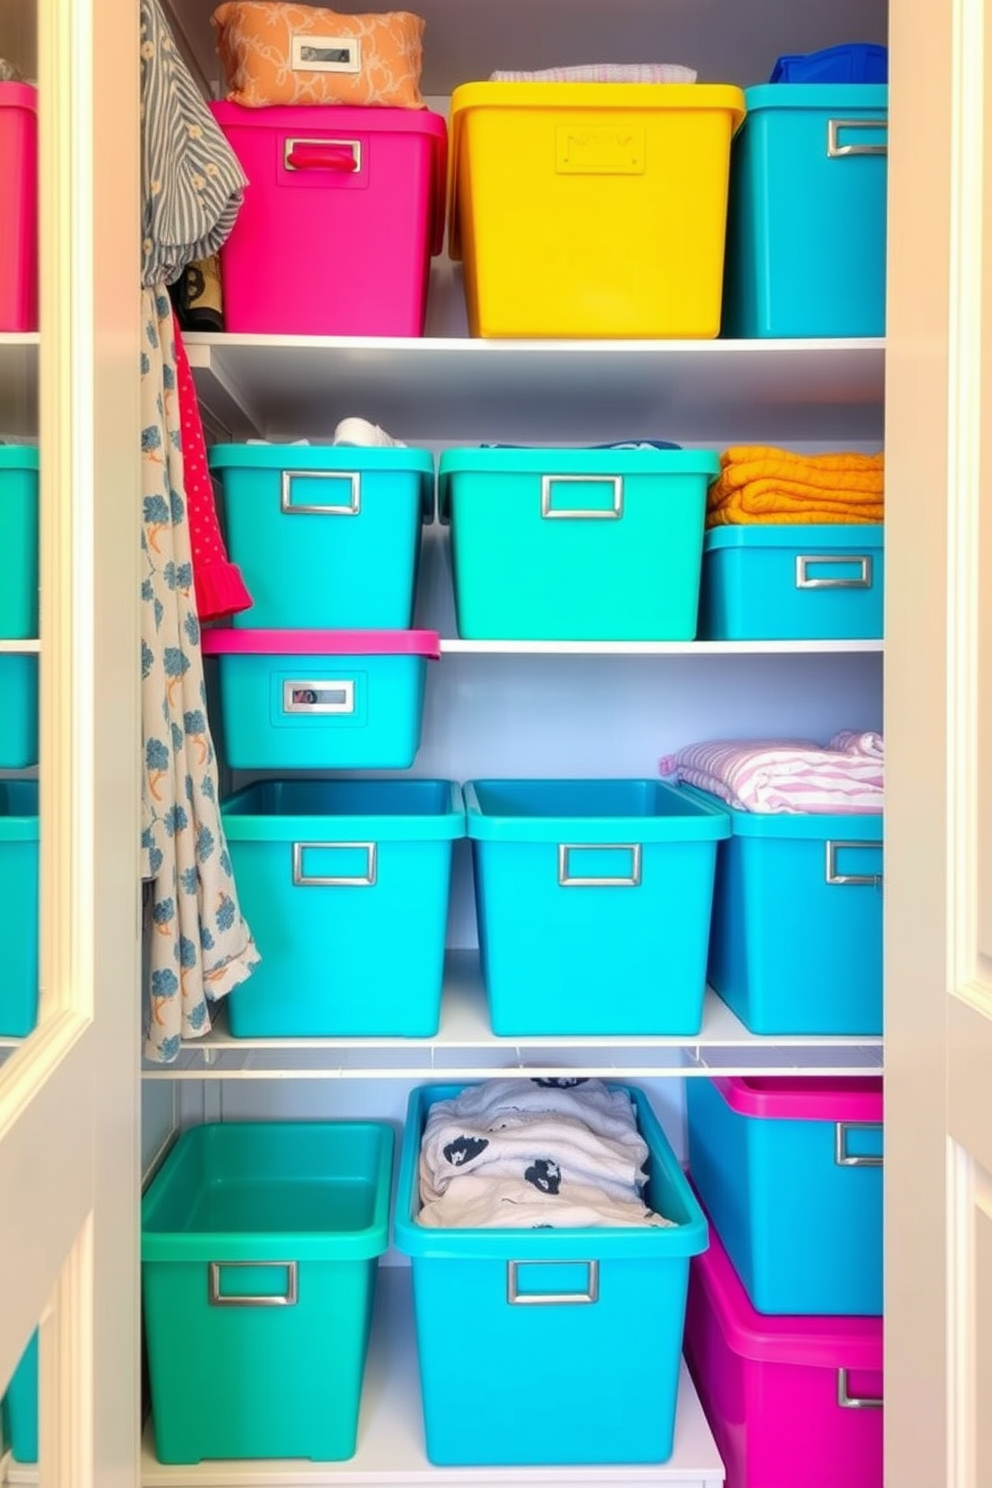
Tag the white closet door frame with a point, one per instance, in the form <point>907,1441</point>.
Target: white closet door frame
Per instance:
<point>69,1171</point>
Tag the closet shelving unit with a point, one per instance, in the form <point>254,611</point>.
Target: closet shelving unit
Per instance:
<point>528,708</point>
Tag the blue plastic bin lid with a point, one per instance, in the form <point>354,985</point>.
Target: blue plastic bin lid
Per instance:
<point>853,62</point>
<point>18,811</point>
<point>810,537</point>
<point>550,461</point>
<point>688,1235</point>
<point>373,810</point>
<point>603,812</point>
<point>304,459</point>
<point>855,99</point>
<point>18,457</point>
<point>849,828</point>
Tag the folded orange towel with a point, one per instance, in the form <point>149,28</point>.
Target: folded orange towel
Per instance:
<point>761,483</point>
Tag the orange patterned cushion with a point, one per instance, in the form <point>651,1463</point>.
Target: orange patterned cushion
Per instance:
<point>277,53</point>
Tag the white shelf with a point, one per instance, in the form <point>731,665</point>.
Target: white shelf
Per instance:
<point>453,389</point>
<point>18,385</point>
<point>390,1439</point>
<point>455,647</point>
<point>465,1048</point>
<point>20,647</point>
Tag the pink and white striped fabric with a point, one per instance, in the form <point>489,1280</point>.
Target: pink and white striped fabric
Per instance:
<point>787,775</point>
<point>603,72</point>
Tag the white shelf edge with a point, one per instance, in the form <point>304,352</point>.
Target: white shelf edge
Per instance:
<point>19,338</point>
<point>20,648</point>
<point>466,1048</point>
<point>206,341</point>
<point>455,647</point>
<point>390,1443</point>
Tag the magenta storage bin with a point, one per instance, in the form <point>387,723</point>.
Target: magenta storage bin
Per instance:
<point>790,1400</point>
<point>18,207</point>
<point>343,212</point>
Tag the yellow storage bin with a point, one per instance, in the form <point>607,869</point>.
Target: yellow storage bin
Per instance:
<point>592,209</point>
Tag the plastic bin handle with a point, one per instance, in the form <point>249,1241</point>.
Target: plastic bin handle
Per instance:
<point>833,847</point>
<point>611,513</point>
<point>265,1299</point>
<point>804,561</point>
<point>845,1159</point>
<point>305,696</point>
<point>516,1298</point>
<point>343,156</point>
<point>304,880</point>
<point>855,1402</point>
<point>569,880</point>
<point>351,508</point>
<point>835,150</point>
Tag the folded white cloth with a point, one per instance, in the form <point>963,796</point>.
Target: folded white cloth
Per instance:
<point>520,1154</point>
<point>603,72</point>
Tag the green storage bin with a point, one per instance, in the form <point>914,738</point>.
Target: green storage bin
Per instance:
<point>576,545</point>
<point>259,1249</point>
<point>18,542</point>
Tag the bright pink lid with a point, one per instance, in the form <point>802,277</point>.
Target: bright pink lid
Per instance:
<point>226,641</point>
<point>828,1342</point>
<point>804,1097</point>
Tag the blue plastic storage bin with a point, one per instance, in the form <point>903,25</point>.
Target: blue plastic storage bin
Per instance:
<point>576,544</point>
<point>21,1407</point>
<point>18,710</point>
<point>18,542</point>
<point>796,943</point>
<point>321,700</point>
<point>790,1172</point>
<point>18,907</point>
<point>327,538</point>
<point>853,62</point>
<point>589,1373</point>
<point>345,886</point>
<point>259,1247</point>
<point>793,583</point>
<point>593,901</point>
<point>807,213</point>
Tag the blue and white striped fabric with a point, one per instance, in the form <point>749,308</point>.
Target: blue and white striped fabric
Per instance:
<point>192,183</point>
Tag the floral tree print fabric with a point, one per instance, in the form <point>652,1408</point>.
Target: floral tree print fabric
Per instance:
<point>200,946</point>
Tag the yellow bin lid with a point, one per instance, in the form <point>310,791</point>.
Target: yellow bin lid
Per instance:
<point>649,97</point>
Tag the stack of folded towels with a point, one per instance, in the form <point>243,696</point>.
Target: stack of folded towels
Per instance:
<point>534,1154</point>
<point>846,777</point>
<point>763,484</point>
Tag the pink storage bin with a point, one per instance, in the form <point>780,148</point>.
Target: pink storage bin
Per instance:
<point>18,207</point>
<point>790,1400</point>
<point>343,212</point>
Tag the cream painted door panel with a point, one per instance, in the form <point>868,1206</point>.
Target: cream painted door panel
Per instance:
<point>69,1179</point>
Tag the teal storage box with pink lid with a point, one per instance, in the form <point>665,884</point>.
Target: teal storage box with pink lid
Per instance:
<point>790,1169</point>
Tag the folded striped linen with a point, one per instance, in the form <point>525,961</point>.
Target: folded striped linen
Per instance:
<point>787,775</point>
<point>533,1154</point>
<point>603,72</point>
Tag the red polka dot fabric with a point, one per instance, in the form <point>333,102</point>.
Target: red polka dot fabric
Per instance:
<point>220,589</point>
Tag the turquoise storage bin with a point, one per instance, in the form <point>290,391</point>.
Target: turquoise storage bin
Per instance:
<point>806,232</point>
<point>18,907</point>
<point>18,710</point>
<point>20,1407</point>
<point>593,901</point>
<point>810,583</point>
<point>790,1171</point>
<point>796,944</point>
<point>576,545</point>
<point>584,1372</point>
<point>259,1245</point>
<point>321,700</point>
<point>345,886</point>
<point>326,538</point>
<point>18,542</point>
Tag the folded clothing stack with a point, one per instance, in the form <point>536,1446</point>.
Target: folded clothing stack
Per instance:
<point>532,1154</point>
<point>764,484</point>
<point>787,775</point>
<point>603,72</point>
